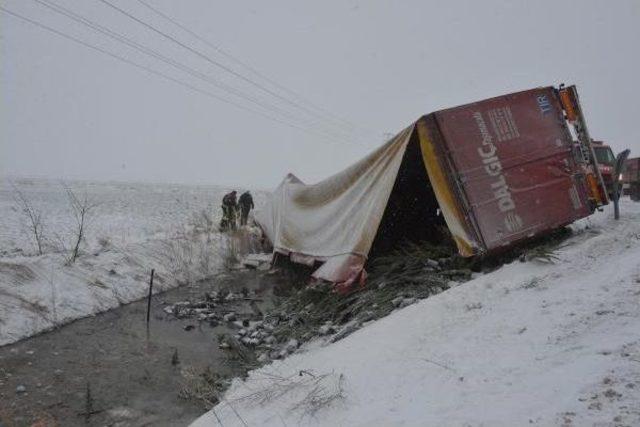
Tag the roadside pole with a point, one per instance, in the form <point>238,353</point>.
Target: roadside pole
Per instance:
<point>149,298</point>
<point>619,168</point>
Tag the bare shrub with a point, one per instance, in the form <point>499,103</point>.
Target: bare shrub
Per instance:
<point>104,242</point>
<point>177,255</point>
<point>197,250</point>
<point>203,223</point>
<point>230,251</point>
<point>188,256</point>
<point>206,259</point>
<point>313,392</point>
<point>204,385</point>
<point>53,299</point>
<point>33,215</point>
<point>321,395</point>
<point>81,208</point>
<point>236,244</point>
<point>543,254</point>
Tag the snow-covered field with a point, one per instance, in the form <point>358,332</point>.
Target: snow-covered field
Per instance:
<point>531,343</point>
<point>135,227</point>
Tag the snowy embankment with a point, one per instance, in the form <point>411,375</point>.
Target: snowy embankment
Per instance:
<point>135,227</point>
<point>542,344</point>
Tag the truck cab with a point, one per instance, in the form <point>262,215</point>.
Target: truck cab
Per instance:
<point>606,163</point>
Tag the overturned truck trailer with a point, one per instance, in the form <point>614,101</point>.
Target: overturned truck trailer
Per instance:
<point>492,173</point>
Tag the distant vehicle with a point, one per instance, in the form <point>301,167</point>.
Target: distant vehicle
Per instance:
<point>631,179</point>
<point>606,163</point>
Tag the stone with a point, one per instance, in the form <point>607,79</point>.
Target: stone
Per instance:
<point>21,389</point>
<point>258,324</point>
<point>397,301</point>
<point>276,355</point>
<point>229,317</point>
<point>432,263</point>
<point>182,304</point>
<point>326,329</point>
<point>407,301</point>
<point>346,330</point>
<point>368,316</point>
<point>292,345</point>
<point>264,267</point>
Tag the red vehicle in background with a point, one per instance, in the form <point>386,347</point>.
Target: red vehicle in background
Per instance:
<point>631,179</point>
<point>606,163</point>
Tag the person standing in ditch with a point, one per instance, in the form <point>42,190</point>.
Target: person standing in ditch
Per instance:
<point>229,211</point>
<point>246,204</point>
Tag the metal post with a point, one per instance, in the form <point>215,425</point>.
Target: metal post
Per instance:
<point>617,171</point>
<point>149,298</point>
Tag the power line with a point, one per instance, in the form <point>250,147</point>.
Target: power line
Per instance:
<point>101,29</point>
<point>208,59</point>
<point>244,64</point>
<point>152,71</point>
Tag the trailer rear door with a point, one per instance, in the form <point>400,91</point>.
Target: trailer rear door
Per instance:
<point>514,162</point>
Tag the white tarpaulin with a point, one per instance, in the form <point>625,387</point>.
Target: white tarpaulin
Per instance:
<point>336,220</point>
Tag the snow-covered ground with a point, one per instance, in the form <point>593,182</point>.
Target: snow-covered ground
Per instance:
<point>531,343</point>
<point>135,227</point>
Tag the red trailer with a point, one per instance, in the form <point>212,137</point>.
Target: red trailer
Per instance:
<point>513,168</point>
<point>494,173</point>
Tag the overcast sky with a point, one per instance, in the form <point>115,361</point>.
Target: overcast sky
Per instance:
<point>69,111</point>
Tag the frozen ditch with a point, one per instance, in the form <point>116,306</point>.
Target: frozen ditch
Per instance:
<point>136,376</point>
<point>109,368</point>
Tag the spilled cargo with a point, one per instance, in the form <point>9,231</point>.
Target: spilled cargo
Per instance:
<point>488,175</point>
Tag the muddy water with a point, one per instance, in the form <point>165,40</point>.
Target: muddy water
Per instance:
<point>128,367</point>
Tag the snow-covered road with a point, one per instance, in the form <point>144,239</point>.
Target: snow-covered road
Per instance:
<point>531,343</point>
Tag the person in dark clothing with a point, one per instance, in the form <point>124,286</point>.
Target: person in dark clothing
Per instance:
<point>246,204</point>
<point>229,211</point>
